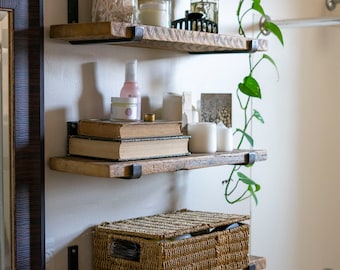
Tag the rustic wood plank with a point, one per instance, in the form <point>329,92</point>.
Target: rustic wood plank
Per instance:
<point>84,31</point>
<point>154,37</point>
<point>110,169</point>
<point>260,262</point>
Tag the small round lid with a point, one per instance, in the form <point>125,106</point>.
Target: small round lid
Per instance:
<point>124,100</point>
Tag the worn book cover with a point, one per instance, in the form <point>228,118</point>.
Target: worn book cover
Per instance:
<point>128,129</point>
<point>128,149</point>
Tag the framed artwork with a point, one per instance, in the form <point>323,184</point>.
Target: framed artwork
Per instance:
<point>216,108</point>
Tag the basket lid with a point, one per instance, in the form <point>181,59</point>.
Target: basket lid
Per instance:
<point>163,226</point>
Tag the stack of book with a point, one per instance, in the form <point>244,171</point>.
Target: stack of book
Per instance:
<point>124,140</point>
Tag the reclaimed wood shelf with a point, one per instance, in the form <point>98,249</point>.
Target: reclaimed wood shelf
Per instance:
<point>146,36</point>
<point>137,168</point>
<point>256,263</point>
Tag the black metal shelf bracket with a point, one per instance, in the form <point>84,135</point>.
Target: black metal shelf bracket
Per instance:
<point>252,266</point>
<point>253,45</point>
<point>250,158</point>
<point>72,9</point>
<point>135,171</point>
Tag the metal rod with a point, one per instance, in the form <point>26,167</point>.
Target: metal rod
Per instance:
<point>299,23</point>
<point>319,22</point>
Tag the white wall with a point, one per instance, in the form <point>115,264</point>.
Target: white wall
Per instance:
<point>295,225</point>
<point>296,220</point>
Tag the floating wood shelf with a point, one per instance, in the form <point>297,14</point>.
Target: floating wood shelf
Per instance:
<point>256,263</point>
<point>155,37</point>
<point>134,169</point>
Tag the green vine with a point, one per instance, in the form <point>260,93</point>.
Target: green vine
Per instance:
<point>247,90</point>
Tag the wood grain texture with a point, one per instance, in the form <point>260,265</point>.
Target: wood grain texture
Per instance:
<point>108,169</point>
<point>154,37</point>
<point>28,162</point>
<point>260,262</point>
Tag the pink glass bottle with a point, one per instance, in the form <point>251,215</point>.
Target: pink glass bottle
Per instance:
<point>130,87</point>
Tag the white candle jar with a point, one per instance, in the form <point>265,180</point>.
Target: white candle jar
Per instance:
<point>156,12</point>
<point>203,137</point>
<point>124,108</point>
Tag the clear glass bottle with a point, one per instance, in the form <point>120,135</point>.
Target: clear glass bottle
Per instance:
<point>209,8</point>
<point>114,10</point>
<point>130,87</point>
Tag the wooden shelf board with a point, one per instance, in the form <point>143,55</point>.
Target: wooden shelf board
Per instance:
<point>154,37</point>
<point>260,262</point>
<point>110,169</point>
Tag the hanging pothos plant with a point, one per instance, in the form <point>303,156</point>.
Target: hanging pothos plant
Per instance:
<point>247,90</point>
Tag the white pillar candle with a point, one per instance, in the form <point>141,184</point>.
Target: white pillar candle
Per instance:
<point>203,137</point>
<point>195,116</point>
<point>225,140</point>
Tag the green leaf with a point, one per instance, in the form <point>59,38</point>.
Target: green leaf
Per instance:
<point>271,60</point>
<point>257,6</point>
<point>252,193</point>
<point>246,180</point>
<point>273,28</point>
<point>250,87</point>
<point>258,116</point>
<point>248,137</point>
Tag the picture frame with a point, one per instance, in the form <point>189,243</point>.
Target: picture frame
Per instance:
<point>216,107</point>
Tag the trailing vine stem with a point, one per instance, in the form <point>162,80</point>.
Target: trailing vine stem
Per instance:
<point>250,89</point>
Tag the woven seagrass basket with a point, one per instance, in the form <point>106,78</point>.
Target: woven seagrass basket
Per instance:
<point>180,240</point>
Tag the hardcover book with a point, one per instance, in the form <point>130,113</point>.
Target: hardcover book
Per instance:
<point>128,129</point>
<point>128,149</point>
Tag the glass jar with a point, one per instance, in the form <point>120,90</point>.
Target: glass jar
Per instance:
<point>114,10</point>
<point>155,12</point>
<point>209,9</point>
<point>124,108</point>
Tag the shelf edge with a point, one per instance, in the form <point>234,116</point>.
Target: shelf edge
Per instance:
<point>259,262</point>
<point>110,169</point>
<point>155,37</point>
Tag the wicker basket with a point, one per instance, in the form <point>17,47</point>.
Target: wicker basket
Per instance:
<point>180,240</point>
